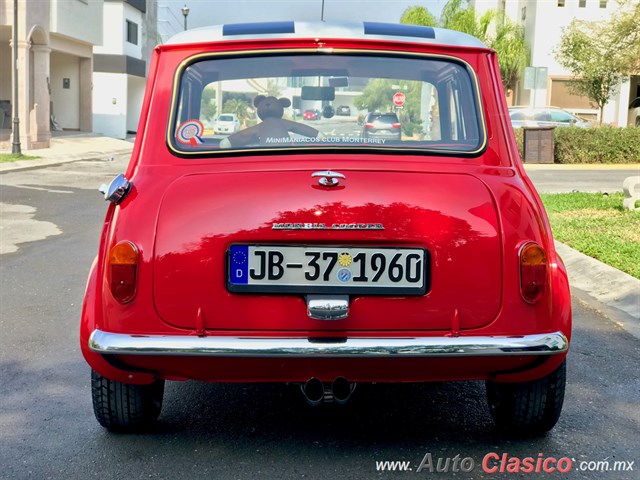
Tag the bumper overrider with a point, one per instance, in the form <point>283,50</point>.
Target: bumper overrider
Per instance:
<point>396,347</point>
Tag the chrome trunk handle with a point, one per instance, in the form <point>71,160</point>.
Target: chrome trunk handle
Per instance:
<point>328,178</point>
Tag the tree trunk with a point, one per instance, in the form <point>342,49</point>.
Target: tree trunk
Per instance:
<point>601,114</point>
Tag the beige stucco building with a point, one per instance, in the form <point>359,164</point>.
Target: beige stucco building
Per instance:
<point>55,65</point>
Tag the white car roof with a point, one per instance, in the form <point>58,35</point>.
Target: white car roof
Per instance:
<point>343,30</point>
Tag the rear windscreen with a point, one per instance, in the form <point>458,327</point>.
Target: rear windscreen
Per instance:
<point>350,101</point>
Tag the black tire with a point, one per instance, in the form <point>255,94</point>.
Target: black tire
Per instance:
<point>123,407</point>
<point>528,408</point>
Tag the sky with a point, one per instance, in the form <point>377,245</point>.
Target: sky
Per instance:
<point>211,12</point>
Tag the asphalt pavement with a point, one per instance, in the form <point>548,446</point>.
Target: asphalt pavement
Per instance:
<point>611,289</point>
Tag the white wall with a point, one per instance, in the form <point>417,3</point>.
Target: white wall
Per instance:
<point>78,19</point>
<point>66,102</point>
<point>135,91</point>
<point>115,19</point>
<point>110,104</point>
<point>549,22</point>
<point>113,28</point>
<point>511,7</point>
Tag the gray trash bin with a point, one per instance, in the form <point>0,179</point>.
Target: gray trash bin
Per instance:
<point>538,144</point>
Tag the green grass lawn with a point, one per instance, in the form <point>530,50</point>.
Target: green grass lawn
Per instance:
<point>598,226</point>
<point>10,157</point>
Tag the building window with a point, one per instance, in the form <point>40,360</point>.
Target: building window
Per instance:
<point>561,3</point>
<point>582,3</point>
<point>132,32</point>
<point>603,3</point>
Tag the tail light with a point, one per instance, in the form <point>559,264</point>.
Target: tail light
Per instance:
<point>368,125</point>
<point>123,266</point>
<point>395,125</point>
<point>533,272</point>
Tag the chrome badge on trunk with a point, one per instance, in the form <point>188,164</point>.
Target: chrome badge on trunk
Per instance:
<point>323,226</point>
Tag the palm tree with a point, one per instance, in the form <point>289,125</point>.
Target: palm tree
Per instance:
<point>507,39</point>
<point>493,28</point>
<point>458,15</point>
<point>418,16</point>
<point>237,106</point>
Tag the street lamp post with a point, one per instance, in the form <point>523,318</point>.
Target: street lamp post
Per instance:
<point>185,12</point>
<point>15,147</point>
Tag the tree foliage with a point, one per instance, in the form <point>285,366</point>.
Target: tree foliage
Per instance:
<point>208,102</point>
<point>624,31</point>
<point>493,28</point>
<point>237,106</point>
<point>377,96</point>
<point>273,90</point>
<point>418,16</point>
<point>600,54</point>
<point>459,15</point>
<point>507,39</point>
<point>590,59</point>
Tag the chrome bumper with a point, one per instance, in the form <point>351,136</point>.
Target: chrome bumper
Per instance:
<point>221,346</point>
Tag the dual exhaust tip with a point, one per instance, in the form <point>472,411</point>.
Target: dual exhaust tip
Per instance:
<point>316,393</point>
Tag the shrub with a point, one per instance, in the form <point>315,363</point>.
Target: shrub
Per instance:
<point>593,145</point>
<point>597,145</point>
<point>520,141</point>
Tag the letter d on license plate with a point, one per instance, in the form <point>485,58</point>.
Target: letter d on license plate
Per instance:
<point>328,269</point>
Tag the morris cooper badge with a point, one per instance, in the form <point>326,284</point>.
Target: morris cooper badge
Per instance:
<point>324,226</point>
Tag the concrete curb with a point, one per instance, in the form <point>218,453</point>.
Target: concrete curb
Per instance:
<point>71,148</point>
<point>52,162</point>
<point>608,286</point>
<point>581,166</point>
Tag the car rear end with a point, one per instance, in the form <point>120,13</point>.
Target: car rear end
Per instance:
<point>332,259</point>
<point>227,123</point>
<point>382,126</point>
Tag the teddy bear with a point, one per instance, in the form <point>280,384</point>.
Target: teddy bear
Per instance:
<point>273,129</point>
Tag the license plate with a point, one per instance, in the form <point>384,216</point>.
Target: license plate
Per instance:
<point>327,269</point>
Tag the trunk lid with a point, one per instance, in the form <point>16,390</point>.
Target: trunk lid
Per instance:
<point>451,216</point>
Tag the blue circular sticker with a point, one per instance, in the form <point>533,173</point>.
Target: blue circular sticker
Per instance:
<point>344,275</point>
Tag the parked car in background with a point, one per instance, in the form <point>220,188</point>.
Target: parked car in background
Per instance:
<point>382,125</point>
<point>343,110</point>
<point>332,258</point>
<point>634,113</point>
<point>312,115</point>
<point>545,117</point>
<point>227,123</point>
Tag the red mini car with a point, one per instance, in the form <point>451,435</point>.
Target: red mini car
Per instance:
<point>319,256</point>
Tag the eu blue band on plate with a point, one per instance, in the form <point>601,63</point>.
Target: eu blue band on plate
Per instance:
<point>239,264</point>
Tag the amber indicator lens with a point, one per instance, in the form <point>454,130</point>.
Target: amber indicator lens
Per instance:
<point>533,272</point>
<point>123,266</point>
